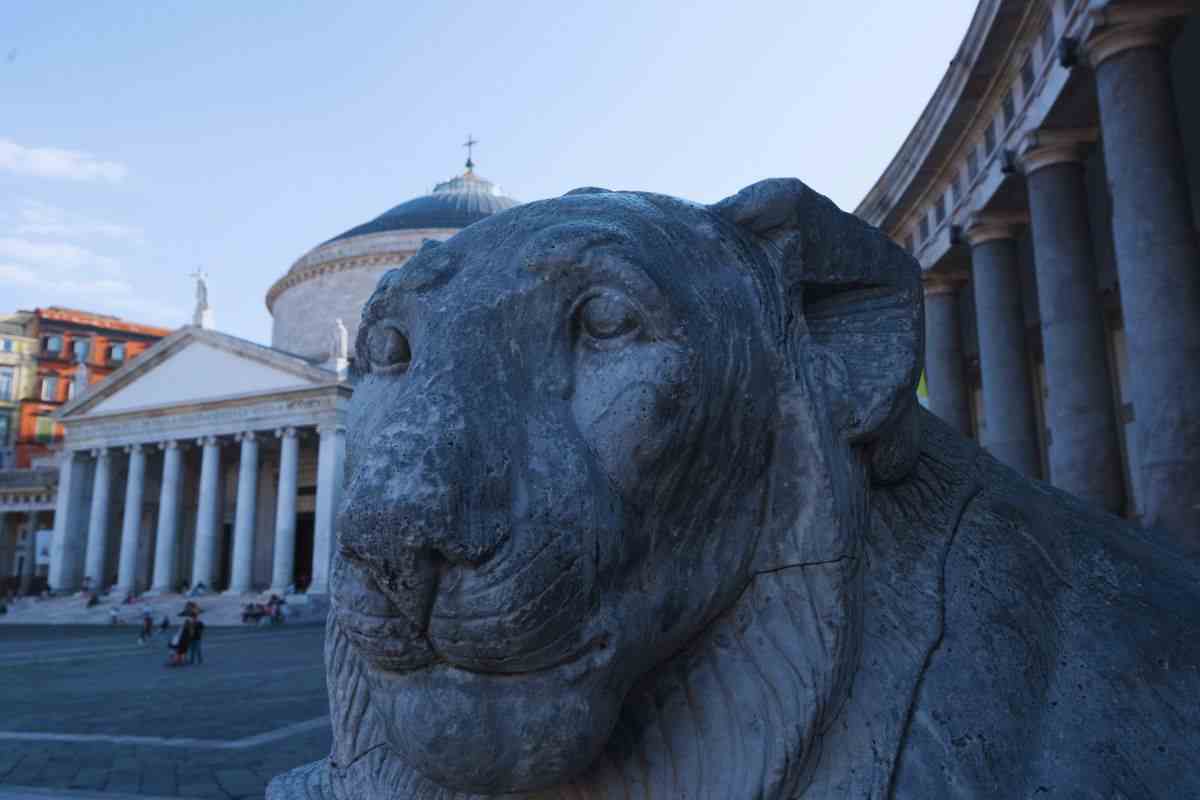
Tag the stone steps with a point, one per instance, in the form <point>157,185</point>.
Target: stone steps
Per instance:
<point>216,610</point>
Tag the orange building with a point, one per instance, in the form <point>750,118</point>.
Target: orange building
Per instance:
<point>66,340</point>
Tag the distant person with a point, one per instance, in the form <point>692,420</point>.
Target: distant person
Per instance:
<point>179,644</point>
<point>147,626</point>
<point>195,654</point>
<point>113,617</point>
<point>166,623</point>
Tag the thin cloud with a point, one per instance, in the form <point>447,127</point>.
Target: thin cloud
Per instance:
<point>42,219</point>
<point>106,295</point>
<point>51,162</point>
<point>55,256</point>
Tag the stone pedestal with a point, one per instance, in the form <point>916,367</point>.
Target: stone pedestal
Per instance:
<point>1010,430</point>
<point>1084,451</point>
<point>945,369</point>
<point>1158,263</point>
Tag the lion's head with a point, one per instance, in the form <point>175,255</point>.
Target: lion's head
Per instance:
<point>608,460</point>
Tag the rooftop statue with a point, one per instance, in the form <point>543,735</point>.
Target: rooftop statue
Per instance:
<point>640,504</point>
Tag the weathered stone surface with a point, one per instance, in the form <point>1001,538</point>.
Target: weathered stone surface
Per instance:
<point>640,504</point>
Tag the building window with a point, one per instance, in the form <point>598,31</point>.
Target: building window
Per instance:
<point>70,390</point>
<point>45,429</point>
<point>82,348</point>
<point>116,351</point>
<point>52,344</point>
<point>939,210</point>
<point>1010,109</point>
<point>4,430</point>
<point>6,345</point>
<point>972,163</point>
<point>924,227</point>
<point>956,189</point>
<point>50,388</point>
<point>989,139</point>
<point>6,383</point>
<point>1027,76</point>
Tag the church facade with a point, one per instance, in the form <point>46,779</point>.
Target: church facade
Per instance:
<point>215,461</point>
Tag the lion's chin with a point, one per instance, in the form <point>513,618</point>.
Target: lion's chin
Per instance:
<point>498,733</point>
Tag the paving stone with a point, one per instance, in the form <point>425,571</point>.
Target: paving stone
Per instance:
<point>254,683</point>
<point>240,781</point>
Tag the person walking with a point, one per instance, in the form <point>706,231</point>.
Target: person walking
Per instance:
<point>147,626</point>
<point>195,654</point>
<point>180,643</point>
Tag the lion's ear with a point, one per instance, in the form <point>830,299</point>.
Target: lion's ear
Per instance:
<point>858,295</point>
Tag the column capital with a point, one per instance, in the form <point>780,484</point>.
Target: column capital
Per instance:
<point>937,283</point>
<point>1044,148</point>
<point>289,432</point>
<point>987,227</point>
<point>208,441</point>
<point>132,448</point>
<point>171,444</point>
<point>1131,26</point>
<point>245,436</point>
<point>101,452</point>
<point>331,428</point>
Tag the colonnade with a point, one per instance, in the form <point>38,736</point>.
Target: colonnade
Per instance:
<point>74,538</point>
<point>1157,256</point>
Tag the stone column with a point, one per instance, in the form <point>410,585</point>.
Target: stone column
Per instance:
<point>204,557</point>
<point>331,458</point>
<point>66,548</point>
<point>1010,430</point>
<point>242,575</point>
<point>167,534</point>
<point>131,522</point>
<point>945,368</point>
<point>1158,264</point>
<point>97,538</point>
<point>29,567</point>
<point>285,511</point>
<point>1084,449</point>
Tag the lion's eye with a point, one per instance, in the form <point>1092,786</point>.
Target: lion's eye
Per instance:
<point>388,349</point>
<point>606,317</point>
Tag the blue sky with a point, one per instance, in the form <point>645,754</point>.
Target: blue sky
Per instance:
<point>137,144</point>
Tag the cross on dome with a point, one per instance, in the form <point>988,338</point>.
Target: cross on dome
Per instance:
<point>470,143</point>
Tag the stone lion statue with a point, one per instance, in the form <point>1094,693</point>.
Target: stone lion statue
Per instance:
<point>640,505</point>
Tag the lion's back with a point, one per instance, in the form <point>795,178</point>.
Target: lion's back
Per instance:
<point>1070,659</point>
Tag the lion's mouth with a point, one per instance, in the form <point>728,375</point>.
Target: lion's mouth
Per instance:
<point>392,642</point>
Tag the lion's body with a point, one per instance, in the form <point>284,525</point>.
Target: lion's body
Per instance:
<point>641,505</point>
<point>1014,643</point>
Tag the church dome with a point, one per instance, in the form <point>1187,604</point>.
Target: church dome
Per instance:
<point>333,281</point>
<point>455,203</point>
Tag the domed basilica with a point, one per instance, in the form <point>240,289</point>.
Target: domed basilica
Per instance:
<point>216,462</point>
<point>334,279</point>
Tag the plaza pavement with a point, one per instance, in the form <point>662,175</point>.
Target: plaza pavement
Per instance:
<point>87,712</point>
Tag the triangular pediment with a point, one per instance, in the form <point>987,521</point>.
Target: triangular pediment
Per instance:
<point>194,365</point>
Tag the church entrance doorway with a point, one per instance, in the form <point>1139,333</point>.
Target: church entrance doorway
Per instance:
<point>226,560</point>
<point>305,529</point>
